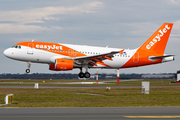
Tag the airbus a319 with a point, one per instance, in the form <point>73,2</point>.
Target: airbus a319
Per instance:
<point>64,57</point>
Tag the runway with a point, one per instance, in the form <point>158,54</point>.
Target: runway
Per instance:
<point>79,86</point>
<point>123,113</point>
<point>69,86</point>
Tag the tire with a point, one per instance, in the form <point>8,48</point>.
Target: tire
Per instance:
<point>81,75</point>
<point>27,70</point>
<point>87,75</point>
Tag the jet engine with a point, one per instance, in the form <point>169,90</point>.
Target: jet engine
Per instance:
<point>62,65</point>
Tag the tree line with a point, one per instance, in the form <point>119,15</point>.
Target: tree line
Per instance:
<point>93,76</point>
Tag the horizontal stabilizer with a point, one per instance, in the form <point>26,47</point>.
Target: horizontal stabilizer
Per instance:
<point>159,57</point>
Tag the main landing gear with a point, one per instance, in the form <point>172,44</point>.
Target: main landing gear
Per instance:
<point>29,65</point>
<point>84,75</point>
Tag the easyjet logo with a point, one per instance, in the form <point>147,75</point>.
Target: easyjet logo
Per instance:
<point>49,46</point>
<point>158,37</point>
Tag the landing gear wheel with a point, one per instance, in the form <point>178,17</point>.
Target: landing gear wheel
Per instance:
<point>81,75</point>
<point>87,75</point>
<point>29,65</point>
<point>27,70</point>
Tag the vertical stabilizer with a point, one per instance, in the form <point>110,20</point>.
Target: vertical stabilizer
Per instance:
<point>152,51</point>
<point>157,42</point>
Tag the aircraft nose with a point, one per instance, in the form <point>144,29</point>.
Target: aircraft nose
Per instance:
<point>7,53</point>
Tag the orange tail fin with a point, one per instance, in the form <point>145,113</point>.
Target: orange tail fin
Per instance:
<point>157,42</point>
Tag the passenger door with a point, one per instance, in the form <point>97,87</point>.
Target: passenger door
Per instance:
<point>30,49</point>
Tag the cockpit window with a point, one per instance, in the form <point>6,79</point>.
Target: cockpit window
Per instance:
<point>16,46</point>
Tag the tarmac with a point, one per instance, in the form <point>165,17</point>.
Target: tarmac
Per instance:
<point>88,113</point>
<point>9,86</point>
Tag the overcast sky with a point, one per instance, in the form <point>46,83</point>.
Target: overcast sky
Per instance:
<point>116,23</point>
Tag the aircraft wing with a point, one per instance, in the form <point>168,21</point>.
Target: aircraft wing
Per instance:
<point>99,56</point>
<point>93,59</point>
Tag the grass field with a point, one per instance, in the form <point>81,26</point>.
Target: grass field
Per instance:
<point>46,82</point>
<point>94,97</point>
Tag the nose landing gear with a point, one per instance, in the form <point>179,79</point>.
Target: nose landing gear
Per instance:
<point>27,70</point>
<point>29,65</point>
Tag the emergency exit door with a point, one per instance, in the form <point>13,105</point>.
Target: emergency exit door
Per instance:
<point>136,58</point>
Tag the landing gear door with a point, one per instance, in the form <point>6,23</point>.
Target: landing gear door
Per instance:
<point>30,49</point>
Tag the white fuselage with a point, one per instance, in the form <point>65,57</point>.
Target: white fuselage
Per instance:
<point>39,55</point>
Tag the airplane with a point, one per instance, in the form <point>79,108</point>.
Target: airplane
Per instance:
<point>64,57</point>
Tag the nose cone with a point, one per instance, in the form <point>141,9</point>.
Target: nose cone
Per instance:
<point>7,53</point>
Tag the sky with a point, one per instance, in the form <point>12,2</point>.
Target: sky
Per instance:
<point>116,23</point>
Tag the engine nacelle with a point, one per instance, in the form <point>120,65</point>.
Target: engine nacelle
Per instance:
<point>62,65</point>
